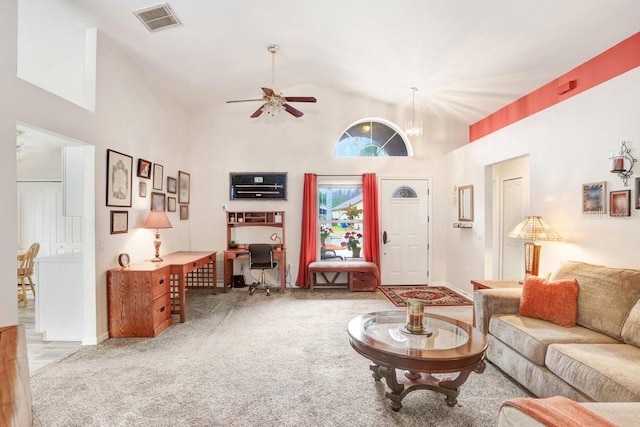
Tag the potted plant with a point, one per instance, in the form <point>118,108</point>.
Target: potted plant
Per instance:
<point>353,242</point>
<point>325,233</point>
<point>233,244</point>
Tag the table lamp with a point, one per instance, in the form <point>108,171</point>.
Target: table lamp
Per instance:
<point>275,236</point>
<point>157,220</point>
<point>533,228</point>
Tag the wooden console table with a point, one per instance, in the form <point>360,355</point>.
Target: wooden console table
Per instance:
<point>495,284</point>
<point>143,296</point>
<point>279,255</point>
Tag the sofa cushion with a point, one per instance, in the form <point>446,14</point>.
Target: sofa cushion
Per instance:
<point>555,301</point>
<point>631,328</point>
<point>605,297</point>
<point>530,337</point>
<point>604,372</point>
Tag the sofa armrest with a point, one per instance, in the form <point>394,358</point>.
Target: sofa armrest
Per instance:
<point>487,302</point>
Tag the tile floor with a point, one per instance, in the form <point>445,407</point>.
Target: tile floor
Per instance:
<point>41,353</point>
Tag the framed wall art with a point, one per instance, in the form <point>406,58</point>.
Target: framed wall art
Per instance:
<point>620,203</point>
<point>119,179</point>
<point>258,185</point>
<point>184,187</point>
<point>594,197</point>
<point>172,185</point>
<point>157,201</point>
<point>637,182</point>
<point>144,168</point>
<point>158,176</point>
<point>171,204</point>
<point>119,222</point>
<point>184,212</point>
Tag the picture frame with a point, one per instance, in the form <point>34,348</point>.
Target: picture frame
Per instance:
<point>184,186</point>
<point>119,222</point>
<point>157,201</point>
<point>119,179</point>
<point>158,176</point>
<point>171,204</point>
<point>594,197</point>
<point>144,168</point>
<point>620,203</point>
<point>142,189</point>
<point>184,212</point>
<point>637,187</point>
<point>172,185</point>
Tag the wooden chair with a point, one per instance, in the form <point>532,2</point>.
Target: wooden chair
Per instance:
<point>25,271</point>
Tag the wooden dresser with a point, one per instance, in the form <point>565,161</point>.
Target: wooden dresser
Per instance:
<point>139,300</point>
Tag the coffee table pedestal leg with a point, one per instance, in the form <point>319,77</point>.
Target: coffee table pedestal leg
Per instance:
<point>449,386</point>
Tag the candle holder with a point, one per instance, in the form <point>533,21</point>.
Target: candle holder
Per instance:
<point>415,318</point>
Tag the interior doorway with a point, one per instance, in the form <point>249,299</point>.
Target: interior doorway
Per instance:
<point>41,175</point>
<point>512,191</point>
<point>404,224</point>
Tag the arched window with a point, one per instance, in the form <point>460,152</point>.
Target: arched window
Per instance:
<point>373,137</point>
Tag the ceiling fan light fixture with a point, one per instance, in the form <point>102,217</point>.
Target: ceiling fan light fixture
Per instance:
<point>414,126</point>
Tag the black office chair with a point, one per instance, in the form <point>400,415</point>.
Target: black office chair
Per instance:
<point>261,258</point>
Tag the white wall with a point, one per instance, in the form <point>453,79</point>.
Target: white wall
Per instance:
<point>568,145</point>
<point>225,139</point>
<point>131,117</point>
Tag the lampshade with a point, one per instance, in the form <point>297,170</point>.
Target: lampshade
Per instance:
<point>534,228</point>
<point>157,219</point>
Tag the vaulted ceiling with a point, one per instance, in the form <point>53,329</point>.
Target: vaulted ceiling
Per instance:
<point>467,57</point>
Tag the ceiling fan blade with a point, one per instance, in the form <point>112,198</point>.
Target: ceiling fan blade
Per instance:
<point>293,111</point>
<point>300,99</point>
<point>244,100</point>
<point>268,92</point>
<point>257,112</point>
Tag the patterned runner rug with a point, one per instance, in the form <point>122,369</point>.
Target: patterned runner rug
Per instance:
<point>431,295</point>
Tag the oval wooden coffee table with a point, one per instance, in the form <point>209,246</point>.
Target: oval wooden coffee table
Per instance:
<point>454,348</point>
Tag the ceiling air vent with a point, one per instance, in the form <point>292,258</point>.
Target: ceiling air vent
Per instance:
<point>157,17</point>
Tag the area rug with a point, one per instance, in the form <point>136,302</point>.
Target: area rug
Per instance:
<point>431,295</point>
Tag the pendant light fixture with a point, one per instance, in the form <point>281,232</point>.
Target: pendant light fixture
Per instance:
<point>414,126</point>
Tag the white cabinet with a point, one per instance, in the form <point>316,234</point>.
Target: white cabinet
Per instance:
<point>59,297</point>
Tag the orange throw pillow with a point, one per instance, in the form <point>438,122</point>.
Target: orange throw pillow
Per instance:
<point>555,301</point>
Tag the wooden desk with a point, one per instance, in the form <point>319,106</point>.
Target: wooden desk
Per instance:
<point>279,255</point>
<point>143,296</point>
<point>181,264</point>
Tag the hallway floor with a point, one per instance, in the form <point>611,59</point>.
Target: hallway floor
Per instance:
<point>41,353</point>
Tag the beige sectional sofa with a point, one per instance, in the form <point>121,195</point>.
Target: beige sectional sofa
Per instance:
<point>598,360</point>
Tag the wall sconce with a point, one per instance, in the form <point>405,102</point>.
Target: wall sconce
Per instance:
<point>622,164</point>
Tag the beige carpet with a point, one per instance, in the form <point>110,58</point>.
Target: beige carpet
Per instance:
<point>241,360</point>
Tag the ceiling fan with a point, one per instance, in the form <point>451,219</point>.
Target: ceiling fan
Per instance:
<point>274,102</point>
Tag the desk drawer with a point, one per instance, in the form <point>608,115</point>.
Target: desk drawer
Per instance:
<point>159,283</point>
<point>161,309</point>
<point>201,262</point>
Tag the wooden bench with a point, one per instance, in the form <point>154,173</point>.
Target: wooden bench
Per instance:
<point>362,275</point>
<point>15,388</point>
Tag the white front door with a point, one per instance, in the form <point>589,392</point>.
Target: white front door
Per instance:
<point>405,232</point>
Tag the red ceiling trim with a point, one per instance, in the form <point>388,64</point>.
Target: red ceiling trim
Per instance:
<point>611,63</point>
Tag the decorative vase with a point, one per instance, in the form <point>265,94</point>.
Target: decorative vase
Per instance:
<point>356,252</point>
